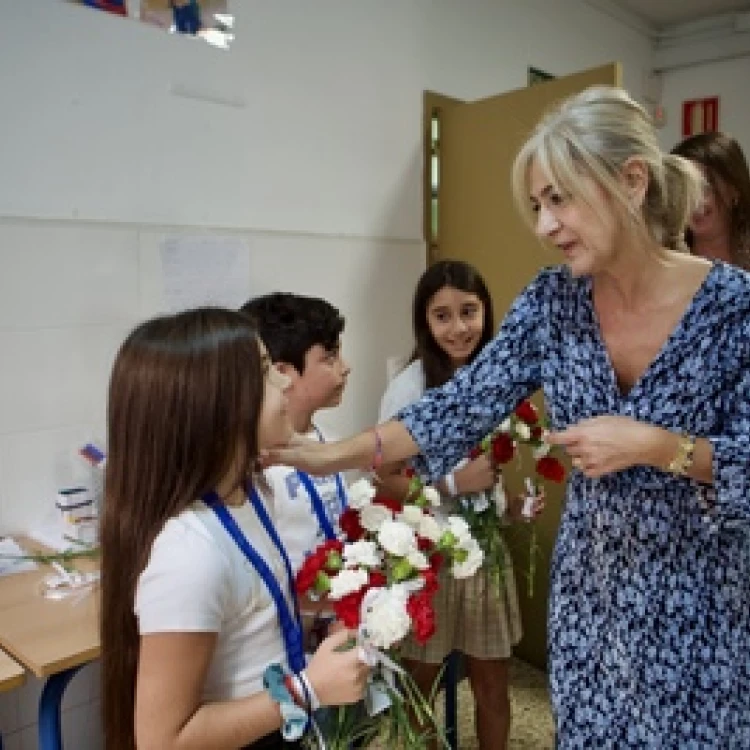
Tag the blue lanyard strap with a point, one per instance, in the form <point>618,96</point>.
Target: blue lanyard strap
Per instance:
<point>317,502</point>
<point>291,627</point>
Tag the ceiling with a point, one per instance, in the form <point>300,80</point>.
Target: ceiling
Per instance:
<point>661,13</point>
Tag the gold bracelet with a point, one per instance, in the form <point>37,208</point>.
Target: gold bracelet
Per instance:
<point>683,458</point>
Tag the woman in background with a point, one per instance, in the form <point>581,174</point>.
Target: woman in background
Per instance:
<point>720,228</point>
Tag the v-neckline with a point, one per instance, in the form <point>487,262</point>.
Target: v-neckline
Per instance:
<point>677,329</point>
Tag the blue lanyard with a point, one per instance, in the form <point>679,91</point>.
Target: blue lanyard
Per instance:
<point>317,502</point>
<point>291,627</point>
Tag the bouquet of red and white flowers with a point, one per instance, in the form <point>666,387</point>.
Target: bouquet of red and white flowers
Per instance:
<point>485,512</point>
<point>380,579</point>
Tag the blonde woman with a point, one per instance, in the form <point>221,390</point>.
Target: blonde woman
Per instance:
<point>643,352</point>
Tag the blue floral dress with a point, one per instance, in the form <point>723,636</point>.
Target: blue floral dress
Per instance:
<point>649,617</point>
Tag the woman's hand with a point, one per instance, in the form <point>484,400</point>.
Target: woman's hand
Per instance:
<point>476,476</point>
<point>603,445</point>
<point>303,453</point>
<point>337,677</point>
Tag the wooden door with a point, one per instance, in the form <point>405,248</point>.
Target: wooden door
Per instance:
<point>478,223</point>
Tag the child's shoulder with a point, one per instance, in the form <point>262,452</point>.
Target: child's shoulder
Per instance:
<point>405,388</point>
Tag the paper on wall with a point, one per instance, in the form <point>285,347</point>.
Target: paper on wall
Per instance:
<point>205,270</point>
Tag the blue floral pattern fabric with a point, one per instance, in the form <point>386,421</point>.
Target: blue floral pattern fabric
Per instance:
<point>649,616</point>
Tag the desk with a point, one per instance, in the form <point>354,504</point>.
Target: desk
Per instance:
<point>51,638</point>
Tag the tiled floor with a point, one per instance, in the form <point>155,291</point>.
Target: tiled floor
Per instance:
<point>531,718</point>
<point>531,727</point>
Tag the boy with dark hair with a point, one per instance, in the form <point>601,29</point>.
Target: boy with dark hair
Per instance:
<point>303,338</point>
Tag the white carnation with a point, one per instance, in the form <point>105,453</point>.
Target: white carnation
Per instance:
<point>505,426</point>
<point>460,529</point>
<point>472,563</point>
<point>360,494</point>
<point>418,560</point>
<point>411,515</point>
<point>523,430</point>
<point>361,553</point>
<point>372,516</point>
<point>347,581</point>
<point>541,451</point>
<point>430,529</point>
<point>397,538</point>
<point>383,617</point>
<point>432,496</point>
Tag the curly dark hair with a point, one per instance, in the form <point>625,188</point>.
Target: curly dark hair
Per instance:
<point>291,324</point>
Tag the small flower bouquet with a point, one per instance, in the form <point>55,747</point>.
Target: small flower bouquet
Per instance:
<point>380,579</point>
<point>485,512</point>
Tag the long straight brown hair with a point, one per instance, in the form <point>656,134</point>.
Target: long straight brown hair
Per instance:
<point>456,274</point>
<point>184,404</point>
<point>722,157</point>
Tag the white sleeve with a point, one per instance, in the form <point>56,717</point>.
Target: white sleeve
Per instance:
<point>185,587</point>
<point>406,388</point>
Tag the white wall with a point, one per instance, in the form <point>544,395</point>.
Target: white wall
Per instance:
<point>99,161</point>
<point>727,80</point>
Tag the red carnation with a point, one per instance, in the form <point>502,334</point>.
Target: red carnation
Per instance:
<point>475,452</point>
<point>409,472</point>
<point>308,572</point>
<point>350,525</point>
<point>436,561</point>
<point>419,607</point>
<point>347,608</point>
<point>502,448</point>
<point>430,581</point>
<point>377,580</point>
<point>395,506</point>
<point>550,468</point>
<point>424,544</point>
<point>526,411</point>
<point>331,545</point>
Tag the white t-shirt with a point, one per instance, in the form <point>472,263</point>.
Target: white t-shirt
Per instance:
<point>296,521</point>
<point>406,388</point>
<point>198,580</point>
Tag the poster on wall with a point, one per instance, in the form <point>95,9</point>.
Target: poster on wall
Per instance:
<point>209,20</point>
<point>700,116</point>
<point>205,270</point>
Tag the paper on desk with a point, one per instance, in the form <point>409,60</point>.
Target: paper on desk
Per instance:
<point>205,270</point>
<point>9,549</point>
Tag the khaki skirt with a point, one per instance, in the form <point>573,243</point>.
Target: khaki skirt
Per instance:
<point>477,616</point>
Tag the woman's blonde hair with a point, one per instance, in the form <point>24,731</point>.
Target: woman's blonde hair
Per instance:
<point>594,133</point>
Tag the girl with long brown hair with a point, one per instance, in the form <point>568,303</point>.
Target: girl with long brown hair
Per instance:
<point>196,602</point>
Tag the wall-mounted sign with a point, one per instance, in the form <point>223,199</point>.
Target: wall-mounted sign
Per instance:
<point>700,116</point>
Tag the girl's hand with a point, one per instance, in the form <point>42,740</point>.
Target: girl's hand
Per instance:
<point>476,476</point>
<point>337,677</point>
<point>603,445</point>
